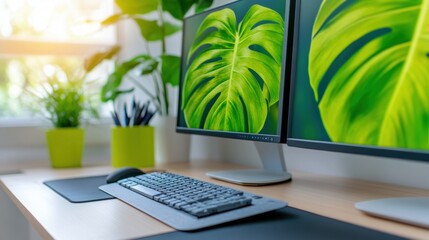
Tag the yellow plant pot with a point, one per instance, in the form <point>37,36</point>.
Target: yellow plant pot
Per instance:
<point>65,147</point>
<point>133,146</point>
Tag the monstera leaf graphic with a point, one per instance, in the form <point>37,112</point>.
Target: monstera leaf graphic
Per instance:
<point>233,76</point>
<point>369,69</point>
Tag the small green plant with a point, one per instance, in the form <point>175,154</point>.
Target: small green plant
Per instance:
<point>64,98</point>
<point>64,103</point>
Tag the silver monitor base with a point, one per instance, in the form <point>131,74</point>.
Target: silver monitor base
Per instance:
<point>411,210</point>
<point>274,168</point>
<point>251,177</point>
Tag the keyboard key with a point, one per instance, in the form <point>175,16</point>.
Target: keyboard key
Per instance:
<point>202,212</point>
<point>180,205</point>
<point>150,193</point>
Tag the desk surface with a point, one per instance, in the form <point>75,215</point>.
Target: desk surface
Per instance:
<point>56,218</point>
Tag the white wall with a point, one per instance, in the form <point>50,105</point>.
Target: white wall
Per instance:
<point>394,171</point>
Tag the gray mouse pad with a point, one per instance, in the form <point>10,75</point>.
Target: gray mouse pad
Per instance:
<point>79,190</point>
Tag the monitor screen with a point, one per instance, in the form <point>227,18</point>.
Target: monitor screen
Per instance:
<point>360,78</point>
<point>233,71</point>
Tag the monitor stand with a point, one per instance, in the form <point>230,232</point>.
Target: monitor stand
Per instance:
<point>273,161</point>
<point>411,210</point>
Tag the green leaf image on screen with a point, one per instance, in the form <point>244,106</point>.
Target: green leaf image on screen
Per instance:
<point>369,69</point>
<point>233,76</point>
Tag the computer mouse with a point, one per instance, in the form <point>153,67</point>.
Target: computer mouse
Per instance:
<point>122,173</point>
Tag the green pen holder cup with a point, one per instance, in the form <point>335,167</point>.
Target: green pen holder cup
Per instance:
<point>65,147</point>
<point>133,146</point>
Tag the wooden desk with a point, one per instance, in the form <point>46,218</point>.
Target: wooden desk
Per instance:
<point>56,218</point>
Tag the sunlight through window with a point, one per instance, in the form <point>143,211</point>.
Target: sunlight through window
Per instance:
<point>39,38</point>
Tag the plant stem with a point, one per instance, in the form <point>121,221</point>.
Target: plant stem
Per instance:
<point>147,48</point>
<point>162,88</point>
<point>162,26</point>
<point>154,98</point>
<point>160,92</point>
<point>167,107</point>
<point>164,94</point>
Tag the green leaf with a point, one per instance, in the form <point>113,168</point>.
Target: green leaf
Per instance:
<point>112,19</point>
<point>149,66</point>
<point>137,6</point>
<point>93,61</point>
<point>202,5</point>
<point>178,9</point>
<point>230,66</point>
<point>369,71</point>
<point>170,69</point>
<point>152,32</point>
<point>132,63</point>
<point>110,91</point>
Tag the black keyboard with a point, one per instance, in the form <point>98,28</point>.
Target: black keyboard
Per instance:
<point>192,196</point>
<point>186,203</point>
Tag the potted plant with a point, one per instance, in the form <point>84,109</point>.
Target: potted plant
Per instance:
<point>63,103</point>
<point>132,137</point>
<point>157,71</point>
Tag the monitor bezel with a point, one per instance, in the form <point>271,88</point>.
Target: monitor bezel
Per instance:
<point>369,150</point>
<point>281,137</point>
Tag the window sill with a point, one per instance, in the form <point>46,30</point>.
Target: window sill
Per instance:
<point>30,133</point>
<point>16,159</point>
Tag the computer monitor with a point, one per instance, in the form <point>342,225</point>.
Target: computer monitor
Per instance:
<point>233,81</point>
<point>360,84</point>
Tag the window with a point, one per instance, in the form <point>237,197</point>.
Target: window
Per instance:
<point>55,20</point>
<point>38,34</point>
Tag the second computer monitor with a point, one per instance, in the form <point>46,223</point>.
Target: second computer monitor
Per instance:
<point>360,82</point>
